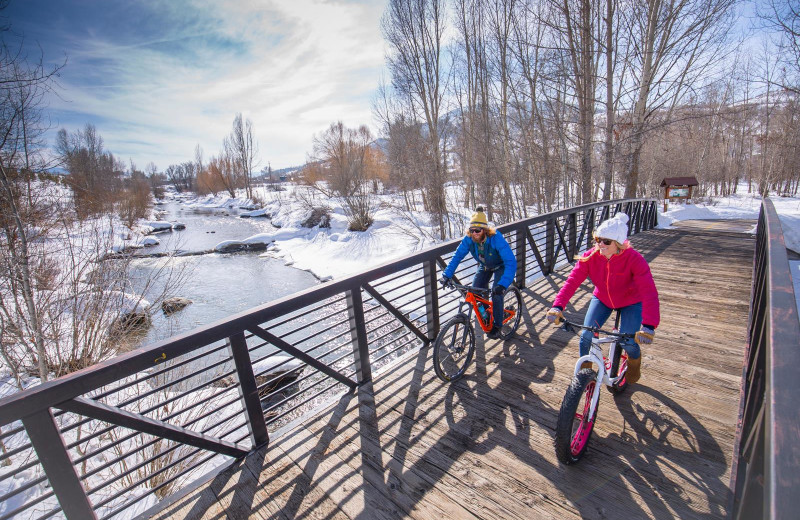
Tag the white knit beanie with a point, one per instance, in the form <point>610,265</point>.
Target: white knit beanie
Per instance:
<point>615,228</point>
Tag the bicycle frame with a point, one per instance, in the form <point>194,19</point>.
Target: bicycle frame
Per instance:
<point>597,357</point>
<point>472,299</point>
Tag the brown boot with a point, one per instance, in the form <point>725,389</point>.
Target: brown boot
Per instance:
<point>586,364</point>
<point>634,370</point>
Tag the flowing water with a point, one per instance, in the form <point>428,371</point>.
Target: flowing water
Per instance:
<point>219,285</point>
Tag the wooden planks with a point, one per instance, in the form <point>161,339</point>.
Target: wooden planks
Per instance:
<point>410,446</point>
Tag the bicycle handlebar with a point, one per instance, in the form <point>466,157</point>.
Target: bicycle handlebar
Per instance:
<point>571,326</point>
<point>467,288</point>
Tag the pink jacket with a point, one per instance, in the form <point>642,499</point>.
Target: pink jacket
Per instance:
<point>619,281</point>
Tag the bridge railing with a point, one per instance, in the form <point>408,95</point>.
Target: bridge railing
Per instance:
<point>112,440</point>
<point>765,473</point>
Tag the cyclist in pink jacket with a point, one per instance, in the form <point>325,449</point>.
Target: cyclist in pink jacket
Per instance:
<point>622,280</point>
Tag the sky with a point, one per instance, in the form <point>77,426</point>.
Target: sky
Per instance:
<point>158,77</point>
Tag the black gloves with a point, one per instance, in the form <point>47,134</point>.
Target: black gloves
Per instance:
<point>498,290</point>
<point>444,280</point>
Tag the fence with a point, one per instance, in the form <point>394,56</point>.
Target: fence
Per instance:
<point>112,440</point>
<point>764,474</point>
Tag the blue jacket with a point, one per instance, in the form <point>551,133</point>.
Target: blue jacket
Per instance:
<point>497,255</point>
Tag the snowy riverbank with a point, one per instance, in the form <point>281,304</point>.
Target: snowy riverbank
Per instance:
<point>334,252</point>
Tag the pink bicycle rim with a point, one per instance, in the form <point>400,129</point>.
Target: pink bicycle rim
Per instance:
<point>581,436</point>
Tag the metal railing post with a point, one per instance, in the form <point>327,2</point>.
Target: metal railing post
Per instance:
<point>590,216</point>
<point>358,331</point>
<point>572,237</point>
<point>52,452</point>
<point>431,287</point>
<point>639,216</point>
<point>550,245</point>
<point>249,390</point>
<point>521,246</point>
<point>653,220</point>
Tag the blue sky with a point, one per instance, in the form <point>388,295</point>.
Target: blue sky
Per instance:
<point>158,77</point>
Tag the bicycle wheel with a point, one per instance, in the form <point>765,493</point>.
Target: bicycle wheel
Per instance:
<point>574,427</point>
<point>454,348</point>
<point>512,301</point>
<point>622,384</point>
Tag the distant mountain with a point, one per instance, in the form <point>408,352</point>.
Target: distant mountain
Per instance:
<point>276,173</point>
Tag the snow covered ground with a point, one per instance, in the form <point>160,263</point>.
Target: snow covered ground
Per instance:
<point>336,252</point>
<point>740,207</point>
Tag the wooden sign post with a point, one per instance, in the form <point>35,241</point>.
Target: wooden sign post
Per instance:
<point>678,188</point>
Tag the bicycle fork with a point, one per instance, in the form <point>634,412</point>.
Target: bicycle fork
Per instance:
<point>596,357</point>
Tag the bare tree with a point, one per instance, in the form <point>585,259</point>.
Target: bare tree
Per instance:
<point>241,147</point>
<point>223,173</point>
<point>538,160</point>
<point>783,18</point>
<point>576,25</point>
<point>344,160</point>
<point>182,176</point>
<point>155,179</point>
<point>675,46</point>
<point>95,175</point>
<point>22,87</point>
<point>415,30</point>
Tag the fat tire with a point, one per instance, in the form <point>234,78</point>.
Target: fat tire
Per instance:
<point>456,338</point>
<point>512,300</point>
<point>574,399</point>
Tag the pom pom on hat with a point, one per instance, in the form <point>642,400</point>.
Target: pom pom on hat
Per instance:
<point>479,219</point>
<point>615,228</point>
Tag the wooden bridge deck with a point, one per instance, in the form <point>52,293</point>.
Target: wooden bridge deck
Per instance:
<point>410,446</point>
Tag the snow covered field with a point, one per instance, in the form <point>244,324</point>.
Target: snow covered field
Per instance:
<point>335,252</point>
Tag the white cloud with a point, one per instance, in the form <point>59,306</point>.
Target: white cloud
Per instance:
<point>292,67</point>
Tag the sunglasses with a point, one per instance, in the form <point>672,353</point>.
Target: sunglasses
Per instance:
<point>475,230</point>
<point>606,241</point>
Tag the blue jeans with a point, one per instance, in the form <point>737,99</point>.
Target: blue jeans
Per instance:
<point>630,320</point>
<point>481,279</point>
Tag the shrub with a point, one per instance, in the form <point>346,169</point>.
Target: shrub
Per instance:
<point>320,216</point>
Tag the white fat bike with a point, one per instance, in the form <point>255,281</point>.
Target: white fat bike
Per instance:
<point>579,408</point>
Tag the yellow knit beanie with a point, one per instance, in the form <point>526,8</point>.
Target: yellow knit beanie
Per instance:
<point>479,219</point>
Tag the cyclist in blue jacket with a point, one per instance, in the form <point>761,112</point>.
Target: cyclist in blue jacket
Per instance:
<point>494,257</point>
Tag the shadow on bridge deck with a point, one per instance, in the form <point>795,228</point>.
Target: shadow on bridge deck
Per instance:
<point>410,446</point>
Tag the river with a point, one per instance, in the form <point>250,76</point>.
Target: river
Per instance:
<point>219,285</point>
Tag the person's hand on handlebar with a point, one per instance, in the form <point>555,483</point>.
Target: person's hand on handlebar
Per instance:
<point>645,335</point>
<point>445,281</point>
<point>554,316</point>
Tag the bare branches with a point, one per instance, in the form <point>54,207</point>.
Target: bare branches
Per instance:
<point>344,166</point>
<point>241,148</point>
<point>415,32</point>
<point>783,18</point>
